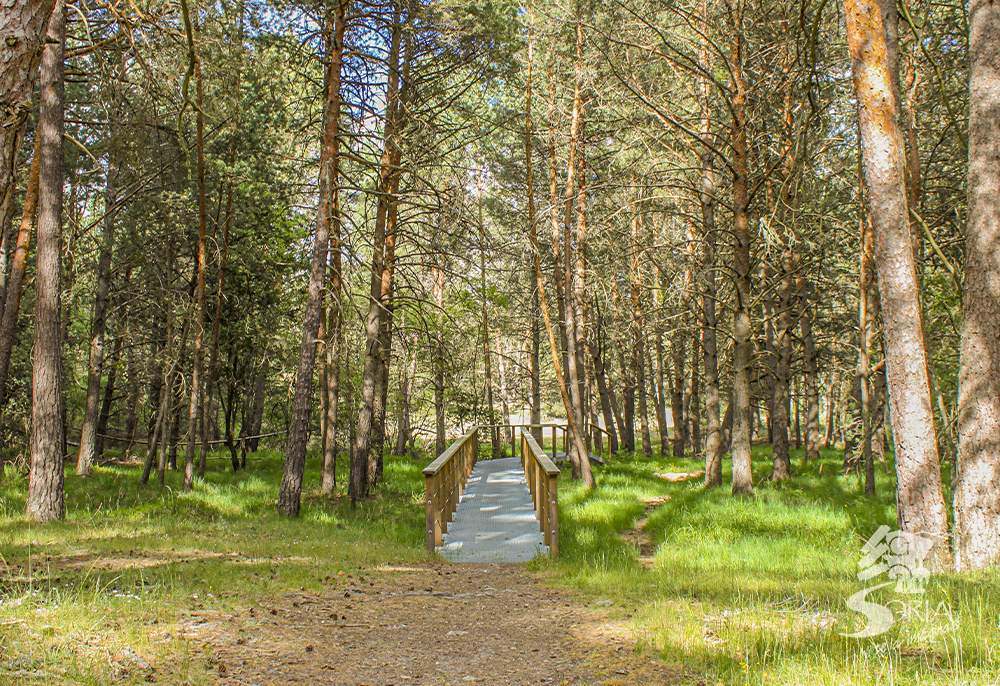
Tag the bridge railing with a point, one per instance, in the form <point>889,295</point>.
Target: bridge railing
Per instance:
<point>444,480</point>
<point>542,476</point>
<point>596,436</point>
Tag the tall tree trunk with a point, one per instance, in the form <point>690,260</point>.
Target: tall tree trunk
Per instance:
<point>439,409</point>
<point>213,355</point>
<point>23,24</point>
<point>977,500</point>
<point>628,397</point>
<point>109,397</point>
<point>810,375</point>
<point>641,362</point>
<point>679,345</point>
<point>605,393</point>
<point>559,273</point>
<point>363,454</point>
<point>661,395</point>
<point>919,495</point>
<point>485,323</point>
<point>46,500</point>
<point>709,321</point>
<point>865,326</point>
<point>88,432</point>
<point>638,325</point>
<point>257,403</point>
<point>786,212</point>
<point>290,494</point>
<point>574,197</point>
<point>334,327</point>
<point>407,374</point>
<point>554,348</point>
<point>336,26</point>
<point>196,411</point>
<point>133,397</point>
<point>694,399</point>
<point>742,466</point>
<point>16,280</point>
<point>534,333</point>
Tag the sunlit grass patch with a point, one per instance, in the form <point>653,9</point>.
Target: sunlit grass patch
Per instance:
<point>752,590</point>
<point>99,597</point>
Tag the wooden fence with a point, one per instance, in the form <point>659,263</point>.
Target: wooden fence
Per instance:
<point>444,479</point>
<point>542,476</point>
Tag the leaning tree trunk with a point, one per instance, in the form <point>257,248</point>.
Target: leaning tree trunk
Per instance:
<point>977,499</point>
<point>919,496</point>
<point>46,500</point>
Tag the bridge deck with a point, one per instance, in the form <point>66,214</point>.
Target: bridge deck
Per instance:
<point>495,521</point>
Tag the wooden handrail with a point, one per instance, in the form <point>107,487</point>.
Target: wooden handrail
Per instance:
<point>444,480</point>
<point>542,476</point>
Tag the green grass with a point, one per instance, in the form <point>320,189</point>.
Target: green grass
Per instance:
<point>97,598</point>
<point>739,591</point>
<point>752,590</point>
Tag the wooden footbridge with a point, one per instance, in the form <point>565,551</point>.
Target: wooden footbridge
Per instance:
<point>496,510</point>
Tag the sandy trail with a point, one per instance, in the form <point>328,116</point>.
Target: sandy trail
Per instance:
<point>443,624</point>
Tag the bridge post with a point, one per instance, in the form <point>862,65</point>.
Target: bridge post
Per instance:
<point>552,534</point>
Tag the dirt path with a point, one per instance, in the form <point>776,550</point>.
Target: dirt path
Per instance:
<point>446,624</point>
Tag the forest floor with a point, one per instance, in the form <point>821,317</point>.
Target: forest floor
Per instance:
<point>658,581</point>
<point>441,624</point>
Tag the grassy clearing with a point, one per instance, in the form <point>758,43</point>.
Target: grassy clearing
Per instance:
<point>103,597</point>
<point>739,591</point>
<point>752,591</point>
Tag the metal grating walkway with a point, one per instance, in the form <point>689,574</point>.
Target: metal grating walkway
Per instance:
<point>495,521</point>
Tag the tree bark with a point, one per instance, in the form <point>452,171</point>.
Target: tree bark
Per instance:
<point>334,328</point>
<point>290,493</point>
<point>919,496</point>
<point>977,500</point>
<point>23,24</point>
<point>46,499</point>
<point>15,283</point>
<point>742,430</point>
